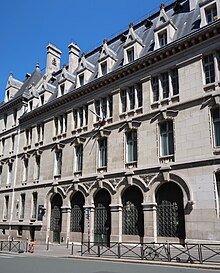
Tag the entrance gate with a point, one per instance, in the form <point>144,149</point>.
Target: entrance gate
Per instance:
<point>170,211</point>
<point>56,217</point>
<point>102,215</point>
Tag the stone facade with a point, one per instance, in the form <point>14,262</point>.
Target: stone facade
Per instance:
<point>123,143</point>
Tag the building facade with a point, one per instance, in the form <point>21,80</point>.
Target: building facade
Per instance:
<point>121,144</point>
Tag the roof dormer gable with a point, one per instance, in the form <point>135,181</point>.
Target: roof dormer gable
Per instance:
<point>66,76</point>
<point>85,65</point>
<point>107,52</point>
<point>163,20</point>
<point>132,37</point>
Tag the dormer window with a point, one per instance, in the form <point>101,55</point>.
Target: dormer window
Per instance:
<point>162,37</point>
<point>42,99</point>
<point>62,89</point>
<point>211,13</point>
<point>104,68</point>
<point>130,54</point>
<point>164,30</point>
<point>31,105</point>
<point>81,79</point>
<point>133,45</point>
<point>8,95</point>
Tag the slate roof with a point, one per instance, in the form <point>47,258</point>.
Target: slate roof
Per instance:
<point>186,21</point>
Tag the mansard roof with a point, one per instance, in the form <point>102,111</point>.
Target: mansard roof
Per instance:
<point>29,82</point>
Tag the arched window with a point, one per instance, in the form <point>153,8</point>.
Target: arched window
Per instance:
<point>56,217</point>
<point>170,211</point>
<point>132,213</point>
<point>77,213</point>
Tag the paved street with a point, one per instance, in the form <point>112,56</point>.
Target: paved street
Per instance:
<point>24,263</point>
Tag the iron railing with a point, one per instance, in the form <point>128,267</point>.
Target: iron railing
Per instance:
<point>165,252</point>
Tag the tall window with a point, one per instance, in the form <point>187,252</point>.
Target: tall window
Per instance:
<point>131,94</point>
<point>131,143</point>
<point>103,107</point>
<point>60,123</point>
<point>6,206</point>
<point>175,81</point>
<point>0,174</point>
<point>22,206</point>
<point>15,112</point>
<point>155,88</point>
<point>79,158</point>
<point>165,85</point>
<point>58,163</point>
<point>216,126</point>
<point>209,68</point>
<point>28,133</point>
<point>80,117</point>
<point>103,152</point>
<point>166,138</point>
<point>10,173</point>
<point>124,100</point>
<point>5,120</point>
<point>25,169</point>
<point>211,13</point>
<point>131,97</point>
<point>40,132</point>
<point>34,205</point>
<point>37,167</point>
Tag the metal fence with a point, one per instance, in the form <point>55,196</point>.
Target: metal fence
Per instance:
<point>164,252</point>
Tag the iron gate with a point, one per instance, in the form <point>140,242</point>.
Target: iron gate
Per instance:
<point>102,224</point>
<point>55,223</point>
<point>167,219</point>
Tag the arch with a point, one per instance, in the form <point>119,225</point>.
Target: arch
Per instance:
<point>77,212</point>
<point>178,179</point>
<point>132,212</point>
<point>102,217</point>
<point>101,184</point>
<point>135,181</point>
<point>170,211</point>
<point>56,216</point>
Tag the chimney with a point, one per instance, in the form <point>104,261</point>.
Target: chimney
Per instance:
<point>53,59</point>
<point>74,51</point>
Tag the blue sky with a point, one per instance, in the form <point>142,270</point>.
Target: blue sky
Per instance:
<point>26,27</point>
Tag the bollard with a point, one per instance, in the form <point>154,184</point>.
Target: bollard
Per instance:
<point>98,250</point>
<point>47,243</point>
<point>72,248</point>
<point>119,251</point>
<point>67,243</point>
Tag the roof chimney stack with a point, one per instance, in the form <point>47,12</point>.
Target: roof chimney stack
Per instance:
<point>74,51</point>
<point>53,59</point>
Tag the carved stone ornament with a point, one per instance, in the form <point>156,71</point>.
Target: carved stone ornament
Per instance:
<point>116,181</point>
<point>147,178</point>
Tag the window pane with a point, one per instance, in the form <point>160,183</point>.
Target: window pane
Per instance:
<point>165,84</point>
<point>131,146</point>
<point>155,88</point>
<point>166,138</point>
<point>209,69</point>
<point>216,125</point>
<point>131,95</point>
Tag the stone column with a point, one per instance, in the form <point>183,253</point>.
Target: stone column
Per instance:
<point>65,229</point>
<point>150,221</point>
<point>116,222</point>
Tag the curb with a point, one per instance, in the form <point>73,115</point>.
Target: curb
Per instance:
<point>201,266</point>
